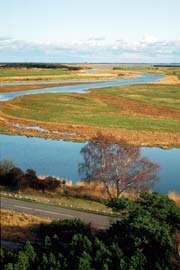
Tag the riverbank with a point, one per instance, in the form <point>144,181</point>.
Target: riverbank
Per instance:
<point>169,80</point>
<point>85,133</point>
<point>143,115</point>
<point>17,88</point>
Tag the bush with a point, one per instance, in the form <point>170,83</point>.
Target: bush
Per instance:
<point>143,239</point>
<point>15,178</point>
<point>121,203</point>
<point>161,208</point>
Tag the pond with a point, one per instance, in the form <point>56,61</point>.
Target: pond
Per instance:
<point>61,158</point>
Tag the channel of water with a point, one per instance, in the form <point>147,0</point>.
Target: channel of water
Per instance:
<point>61,158</point>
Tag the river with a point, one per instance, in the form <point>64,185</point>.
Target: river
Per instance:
<point>83,87</point>
<point>61,158</point>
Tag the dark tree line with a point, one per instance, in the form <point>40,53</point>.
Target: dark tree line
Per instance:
<point>143,239</point>
<point>15,178</point>
<point>39,65</point>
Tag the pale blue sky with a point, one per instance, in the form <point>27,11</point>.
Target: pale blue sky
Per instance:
<point>90,30</point>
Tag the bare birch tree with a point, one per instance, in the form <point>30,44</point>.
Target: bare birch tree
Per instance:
<point>119,167</point>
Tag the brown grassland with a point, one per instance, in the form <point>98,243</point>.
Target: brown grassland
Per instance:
<point>19,226</point>
<point>169,79</point>
<point>175,197</point>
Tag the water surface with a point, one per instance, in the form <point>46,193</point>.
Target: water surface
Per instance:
<point>82,88</point>
<point>61,158</point>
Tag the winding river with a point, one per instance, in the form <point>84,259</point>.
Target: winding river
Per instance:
<point>83,87</point>
<point>61,158</point>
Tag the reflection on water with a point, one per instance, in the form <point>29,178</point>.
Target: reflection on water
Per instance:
<point>61,158</point>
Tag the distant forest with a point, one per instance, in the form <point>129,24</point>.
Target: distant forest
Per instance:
<point>167,65</point>
<point>39,65</point>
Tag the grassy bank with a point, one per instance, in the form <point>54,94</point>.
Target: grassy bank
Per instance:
<point>134,107</point>
<point>58,199</point>
<point>23,87</point>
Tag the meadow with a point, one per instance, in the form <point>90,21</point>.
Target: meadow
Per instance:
<point>147,107</point>
<point>168,70</point>
<point>50,73</point>
<point>145,114</point>
<point>32,72</point>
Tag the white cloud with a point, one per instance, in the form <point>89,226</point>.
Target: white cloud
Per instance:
<point>149,48</point>
<point>148,39</point>
<point>97,38</point>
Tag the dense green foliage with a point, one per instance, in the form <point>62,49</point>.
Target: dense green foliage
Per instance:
<point>143,239</point>
<point>159,207</point>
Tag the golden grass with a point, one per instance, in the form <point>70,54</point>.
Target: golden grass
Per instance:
<point>168,79</point>
<point>94,190</point>
<point>19,226</point>
<point>175,197</point>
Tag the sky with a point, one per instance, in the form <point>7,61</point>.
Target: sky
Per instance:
<point>112,31</point>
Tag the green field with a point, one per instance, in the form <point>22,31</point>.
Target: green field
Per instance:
<point>141,69</point>
<point>44,74</point>
<point>101,108</point>
<point>150,69</point>
<point>162,95</point>
<point>32,72</point>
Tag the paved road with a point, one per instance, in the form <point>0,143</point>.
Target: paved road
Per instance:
<point>10,245</point>
<point>54,212</point>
